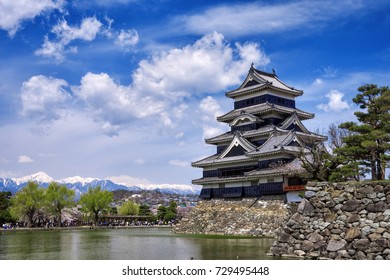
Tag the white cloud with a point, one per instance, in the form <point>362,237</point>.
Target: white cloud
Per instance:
<point>159,84</point>
<point>13,13</point>
<point>318,81</point>
<point>178,162</point>
<point>128,180</point>
<point>44,97</point>
<point>258,18</point>
<point>139,161</point>
<point>179,135</point>
<point>66,34</point>
<point>208,65</point>
<point>25,159</point>
<point>210,110</point>
<point>335,103</point>
<point>211,131</point>
<point>127,38</point>
<point>113,104</point>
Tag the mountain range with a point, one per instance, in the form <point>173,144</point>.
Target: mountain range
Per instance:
<point>80,185</point>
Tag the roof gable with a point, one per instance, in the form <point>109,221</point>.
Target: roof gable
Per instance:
<point>244,116</point>
<point>233,148</point>
<point>294,119</point>
<point>258,80</point>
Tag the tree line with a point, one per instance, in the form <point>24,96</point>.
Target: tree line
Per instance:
<point>37,206</point>
<point>358,148</point>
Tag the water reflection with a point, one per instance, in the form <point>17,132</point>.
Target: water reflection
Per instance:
<point>127,244</point>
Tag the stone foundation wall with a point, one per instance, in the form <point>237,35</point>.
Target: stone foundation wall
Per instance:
<point>245,217</point>
<point>338,221</point>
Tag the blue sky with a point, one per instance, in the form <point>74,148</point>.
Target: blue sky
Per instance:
<point>129,89</point>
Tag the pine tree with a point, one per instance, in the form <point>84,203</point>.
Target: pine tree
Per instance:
<point>367,145</point>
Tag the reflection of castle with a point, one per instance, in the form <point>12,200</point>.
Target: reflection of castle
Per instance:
<point>259,155</point>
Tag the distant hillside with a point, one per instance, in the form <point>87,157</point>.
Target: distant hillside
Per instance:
<point>80,185</point>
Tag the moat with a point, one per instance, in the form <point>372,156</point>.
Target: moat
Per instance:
<point>127,244</point>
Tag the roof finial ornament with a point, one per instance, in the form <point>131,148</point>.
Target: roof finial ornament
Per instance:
<point>252,66</point>
<point>273,71</point>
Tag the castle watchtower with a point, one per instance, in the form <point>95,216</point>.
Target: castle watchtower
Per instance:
<point>259,155</point>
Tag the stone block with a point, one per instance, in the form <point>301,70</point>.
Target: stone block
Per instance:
<point>361,244</point>
<point>315,237</point>
<point>352,233</point>
<point>350,205</point>
<point>366,190</point>
<point>329,217</point>
<point>336,245</point>
<point>307,246</point>
<point>360,256</point>
<point>382,242</point>
<point>374,236</point>
<point>377,207</point>
<point>353,218</point>
<point>330,204</point>
<point>305,207</point>
<point>378,188</point>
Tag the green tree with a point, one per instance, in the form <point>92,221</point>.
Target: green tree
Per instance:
<point>27,202</point>
<point>58,197</point>
<point>367,145</point>
<point>5,203</point>
<point>161,211</point>
<point>129,208</point>
<point>96,200</point>
<point>171,212</point>
<point>144,210</point>
<point>167,213</point>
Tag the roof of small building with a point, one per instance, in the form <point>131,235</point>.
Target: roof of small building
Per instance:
<point>293,167</point>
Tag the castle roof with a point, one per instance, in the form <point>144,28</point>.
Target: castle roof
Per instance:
<point>262,109</point>
<point>293,167</point>
<point>258,80</point>
<point>264,130</point>
<point>279,142</point>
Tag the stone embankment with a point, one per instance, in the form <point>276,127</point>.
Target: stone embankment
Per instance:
<point>338,221</point>
<point>245,217</point>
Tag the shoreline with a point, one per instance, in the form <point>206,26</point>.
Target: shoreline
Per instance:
<point>79,228</point>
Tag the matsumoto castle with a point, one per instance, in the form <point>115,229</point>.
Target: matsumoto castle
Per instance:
<point>259,155</point>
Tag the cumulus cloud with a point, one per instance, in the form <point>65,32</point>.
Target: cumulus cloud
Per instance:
<point>209,65</point>
<point>25,159</point>
<point>66,34</point>
<point>335,103</point>
<point>13,13</point>
<point>127,39</point>
<point>44,98</point>
<point>161,87</point>
<point>210,110</point>
<point>113,104</point>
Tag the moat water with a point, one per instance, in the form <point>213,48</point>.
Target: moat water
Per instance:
<point>127,244</point>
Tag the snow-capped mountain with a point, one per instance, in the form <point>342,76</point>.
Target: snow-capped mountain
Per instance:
<point>80,185</point>
<point>39,177</point>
